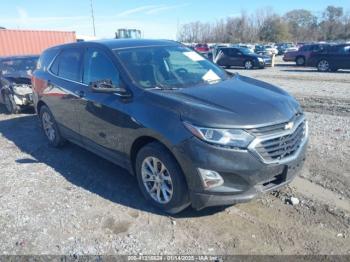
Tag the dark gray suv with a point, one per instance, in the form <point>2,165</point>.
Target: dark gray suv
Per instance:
<point>190,132</point>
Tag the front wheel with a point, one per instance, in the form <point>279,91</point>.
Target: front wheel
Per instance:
<point>248,64</point>
<point>300,61</point>
<point>160,179</point>
<point>10,104</point>
<point>323,65</point>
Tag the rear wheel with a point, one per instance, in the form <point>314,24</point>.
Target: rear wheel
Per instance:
<point>160,179</point>
<point>323,65</point>
<point>10,104</point>
<point>248,64</point>
<point>50,127</point>
<point>300,61</point>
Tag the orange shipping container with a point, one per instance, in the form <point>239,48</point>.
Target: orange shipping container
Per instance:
<point>31,42</point>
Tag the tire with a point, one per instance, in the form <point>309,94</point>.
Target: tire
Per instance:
<point>51,130</point>
<point>227,67</point>
<point>334,69</point>
<point>323,65</point>
<point>300,61</point>
<point>10,104</point>
<point>155,156</point>
<point>249,64</point>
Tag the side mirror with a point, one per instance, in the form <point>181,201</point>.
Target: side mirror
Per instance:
<point>106,86</point>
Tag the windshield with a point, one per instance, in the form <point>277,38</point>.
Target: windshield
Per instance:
<point>169,67</point>
<point>18,65</point>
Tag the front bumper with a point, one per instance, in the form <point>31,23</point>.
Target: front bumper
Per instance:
<point>288,59</point>
<point>245,176</point>
<point>23,100</point>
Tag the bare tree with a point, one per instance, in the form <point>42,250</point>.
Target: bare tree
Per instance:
<point>266,26</point>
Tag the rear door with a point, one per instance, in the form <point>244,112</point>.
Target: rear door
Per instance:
<point>235,57</point>
<point>62,92</point>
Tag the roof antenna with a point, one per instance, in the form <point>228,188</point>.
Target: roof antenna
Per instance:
<point>93,17</point>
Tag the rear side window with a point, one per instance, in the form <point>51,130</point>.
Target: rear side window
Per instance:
<point>46,59</point>
<point>67,65</point>
<point>234,52</point>
<point>98,66</point>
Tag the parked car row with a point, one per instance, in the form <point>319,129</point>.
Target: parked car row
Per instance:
<point>325,57</point>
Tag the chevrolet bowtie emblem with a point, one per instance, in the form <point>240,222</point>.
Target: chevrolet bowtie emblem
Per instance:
<point>289,126</point>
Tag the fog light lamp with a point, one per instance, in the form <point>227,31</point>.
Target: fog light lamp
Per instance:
<point>210,178</point>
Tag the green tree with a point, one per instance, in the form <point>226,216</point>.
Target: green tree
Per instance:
<point>274,29</point>
<point>302,25</point>
<point>331,25</point>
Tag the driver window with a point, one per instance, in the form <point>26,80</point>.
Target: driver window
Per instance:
<point>97,66</point>
<point>234,52</point>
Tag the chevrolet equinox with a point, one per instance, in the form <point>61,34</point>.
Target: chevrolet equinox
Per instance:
<point>191,133</point>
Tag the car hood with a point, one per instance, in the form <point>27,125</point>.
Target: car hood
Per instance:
<point>258,55</point>
<point>18,78</point>
<point>264,56</point>
<point>238,102</point>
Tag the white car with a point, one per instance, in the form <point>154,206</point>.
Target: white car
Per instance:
<point>292,49</point>
<point>271,49</point>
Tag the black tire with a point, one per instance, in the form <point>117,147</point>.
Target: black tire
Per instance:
<point>248,64</point>
<point>323,65</point>
<point>300,61</point>
<point>334,69</point>
<point>227,67</point>
<point>180,196</point>
<point>10,103</point>
<point>57,140</point>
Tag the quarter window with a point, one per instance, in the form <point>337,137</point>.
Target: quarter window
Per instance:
<point>98,66</point>
<point>67,65</point>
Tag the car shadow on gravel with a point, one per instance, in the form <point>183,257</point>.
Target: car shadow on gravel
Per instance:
<point>312,70</point>
<point>81,167</point>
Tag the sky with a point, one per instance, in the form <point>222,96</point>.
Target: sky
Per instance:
<point>156,19</point>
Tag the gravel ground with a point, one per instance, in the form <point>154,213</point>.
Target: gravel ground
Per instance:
<point>69,201</point>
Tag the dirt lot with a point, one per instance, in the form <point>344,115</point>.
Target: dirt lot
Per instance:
<point>70,201</point>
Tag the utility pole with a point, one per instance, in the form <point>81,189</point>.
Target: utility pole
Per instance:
<point>93,17</point>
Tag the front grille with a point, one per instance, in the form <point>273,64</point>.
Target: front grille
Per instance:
<point>274,147</point>
<point>268,61</point>
<point>274,129</point>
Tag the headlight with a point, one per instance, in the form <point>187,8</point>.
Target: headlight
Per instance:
<point>260,59</point>
<point>226,137</point>
<point>22,90</point>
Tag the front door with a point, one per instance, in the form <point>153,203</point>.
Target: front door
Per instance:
<point>101,116</point>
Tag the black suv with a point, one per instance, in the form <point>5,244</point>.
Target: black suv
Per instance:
<point>331,58</point>
<point>240,57</point>
<point>191,133</point>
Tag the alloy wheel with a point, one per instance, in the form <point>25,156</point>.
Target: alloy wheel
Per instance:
<point>157,180</point>
<point>323,65</point>
<point>248,65</point>
<point>48,126</point>
<point>300,61</point>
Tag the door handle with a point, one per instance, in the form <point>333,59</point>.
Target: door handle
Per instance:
<point>80,93</point>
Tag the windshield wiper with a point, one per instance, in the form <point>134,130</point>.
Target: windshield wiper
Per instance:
<point>163,88</point>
